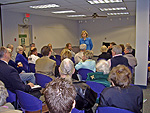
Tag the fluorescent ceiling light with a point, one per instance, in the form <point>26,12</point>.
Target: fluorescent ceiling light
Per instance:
<point>59,12</point>
<point>123,13</point>
<point>76,15</point>
<point>113,9</point>
<point>103,1</point>
<point>44,6</point>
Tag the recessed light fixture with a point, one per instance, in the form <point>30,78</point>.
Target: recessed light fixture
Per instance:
<point>113,9</point>
<point>112,14</point>
<point>76,16</point>
<point>103,1</point>
<point>44,6</point>
<point>59,12</point>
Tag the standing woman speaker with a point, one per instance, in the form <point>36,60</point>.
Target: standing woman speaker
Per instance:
<point>86,40</point>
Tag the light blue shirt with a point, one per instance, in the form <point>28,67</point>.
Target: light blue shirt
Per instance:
<point>88,42</point>
<point>88,64</point>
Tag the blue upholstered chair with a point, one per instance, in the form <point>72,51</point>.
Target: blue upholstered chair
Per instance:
<point>12,97</point>
<point>84,72</point>
<point>28,102</point>
<point>42,80</point>
<point>97,87</point>
<point>111,110</point>
<point>74,110</point>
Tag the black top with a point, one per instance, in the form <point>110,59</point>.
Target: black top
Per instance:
<point>104,55</point>
<point>130,98</point>
<point>10,77</point>
<point>119,60</point>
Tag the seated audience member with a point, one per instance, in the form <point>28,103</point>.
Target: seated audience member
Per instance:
<point>87,62</point>
<point>131,59</point>
<point>101,74</point>
<point>121,94</point>
<point>133,50</point>
<point>5,107</point>
<point>66,54</point>
<point>69,48</point>
<point>24,49</point>
<point>31,45</point>
<point>33,57</point>
<point>22,59</point>
<point>110,48</point>
<point>78,56</point>
<point>104,54</point>
<point>60,96</point>
<point>52,53</point>
<point>45,65</point>
<point>10,46</point>
<point>25,77</point>
<point>117,57</point>
<point>86,97</point>
<point>122,46</point>
<point>9,75</point>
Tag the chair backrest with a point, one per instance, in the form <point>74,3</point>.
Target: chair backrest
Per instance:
<point>74,110</point>
<point>111,110</point>
<point>97,87</point>
<point>12,97</point>
<point>32,67</point>
<point>42,80</point>
<point>28,102</point>
<point>58,57</point>
<point>84,72</point>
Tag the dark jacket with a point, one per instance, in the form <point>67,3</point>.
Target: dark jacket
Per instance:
<point>10,77</point>
<point>104,55</point>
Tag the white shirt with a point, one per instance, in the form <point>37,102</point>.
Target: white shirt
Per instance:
<point>32,59</point>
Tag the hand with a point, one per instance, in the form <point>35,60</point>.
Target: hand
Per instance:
<point>20,64</point>
<point>30,84</point>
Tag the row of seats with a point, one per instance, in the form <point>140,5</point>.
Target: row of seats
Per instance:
<point>31,103</point>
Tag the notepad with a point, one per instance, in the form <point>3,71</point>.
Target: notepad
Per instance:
<point>36,86</point>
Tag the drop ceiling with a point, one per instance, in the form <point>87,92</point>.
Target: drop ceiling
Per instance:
<point>82,7</point>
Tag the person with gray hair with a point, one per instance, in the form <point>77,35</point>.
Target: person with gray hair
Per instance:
<point>66,70</point>
<point>104,54</point>
<point>78,56</point>
<point>117,57</point>
<point>101,74</point>
<point>131,59</point>
<point>10,46</point>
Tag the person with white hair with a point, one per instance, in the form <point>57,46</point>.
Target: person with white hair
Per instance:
<point>101,74</point>
<point>83,101</point>
<point>79,55</point>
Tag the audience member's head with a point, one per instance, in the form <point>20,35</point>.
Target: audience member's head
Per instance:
<point>68,46</point>
<point>60,96</point>
<point>83,47</point>
<point>84,34</point>
<point>120,76</point>
<point>103,66</point>
<point>32,45</point>
<point>50,45</point>
<point>116,50</point>
<point>66,69</point>
<point>127,44</point>
<point>128,49</point>
<point>10,46</point>
<point>5,54</point>
<point>33,50</point>
<point>112,44</point>
<point>122,46</point>
<point>19,49</point>
<point>46,51</point>
<point>3,94</point>
<point>24,47</point>
<point>66,54</point>
<point>103,48</point>
<point>88,54</point>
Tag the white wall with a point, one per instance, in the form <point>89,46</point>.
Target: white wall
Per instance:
<point>106,30</point>
<point>45,29</point>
